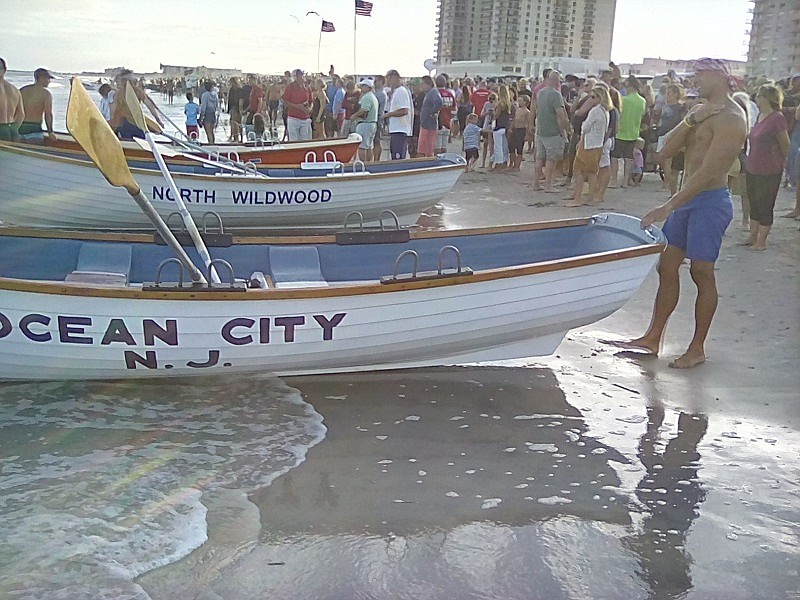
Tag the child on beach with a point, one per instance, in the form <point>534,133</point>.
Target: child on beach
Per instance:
<point>637,170</point>
<point>259,127</point>
<point>191,109</point>
<point>471,137</point>
<point>487,115</point>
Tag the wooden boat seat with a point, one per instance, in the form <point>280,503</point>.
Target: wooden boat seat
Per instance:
<point>99,264</point>
<point>296,267</point>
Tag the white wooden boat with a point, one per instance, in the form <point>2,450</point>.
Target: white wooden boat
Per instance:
<point>76,306</point>
<point>42,189</point>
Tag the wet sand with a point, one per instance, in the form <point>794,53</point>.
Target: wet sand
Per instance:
<point>590,474</point>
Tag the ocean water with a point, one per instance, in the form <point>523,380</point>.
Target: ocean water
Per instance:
<point>101,482</point>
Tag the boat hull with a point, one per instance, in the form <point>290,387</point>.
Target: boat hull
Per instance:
<point>41,190</point>
<point>61,331</point>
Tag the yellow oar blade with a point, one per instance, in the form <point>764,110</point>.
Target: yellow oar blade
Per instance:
<point>152,125</point>
<point>96,137</point>
<point>132,100</point>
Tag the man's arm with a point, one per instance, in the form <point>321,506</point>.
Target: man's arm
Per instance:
<point>48,114</point>
<point>675,140</point>
<point>563,120</point>
<point>19,111</point>
<point>729,136</point>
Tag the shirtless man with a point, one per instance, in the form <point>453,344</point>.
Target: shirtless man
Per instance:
<point>274,92</point>
<point>38,104</point>
<point>698,215</point>
<point>11,111</point>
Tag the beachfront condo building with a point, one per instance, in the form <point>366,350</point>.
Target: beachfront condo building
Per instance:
<point>505,34</point>
<point>774,38</point>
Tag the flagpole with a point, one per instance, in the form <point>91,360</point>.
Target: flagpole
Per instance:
<point>319,44</point>
<point>355,21</point>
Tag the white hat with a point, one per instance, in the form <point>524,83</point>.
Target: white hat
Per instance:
<point>368,82</point>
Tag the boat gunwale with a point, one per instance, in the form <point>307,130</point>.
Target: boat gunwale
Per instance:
<point>334,289</point>
<point>132,153</point>
<point>86,162</point>
<point>244,236</point>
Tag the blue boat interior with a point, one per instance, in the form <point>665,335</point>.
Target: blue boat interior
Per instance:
<point>56,259</point>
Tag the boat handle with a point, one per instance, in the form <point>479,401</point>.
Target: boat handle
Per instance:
<point>250,167</point>
<point>329,156</point>
<point>650,234</point>
<point>358,162</point>
<point>163,264</point>
<point>234,156</point>
<point>205,221</point>
<point>337,166</point>
<point>455,251</point>
<point>180,221</point>
<point>401,257</point>
<point>392,215</point>
<point>360,219</point>
<point>224,263</point>
<point>311,156</point>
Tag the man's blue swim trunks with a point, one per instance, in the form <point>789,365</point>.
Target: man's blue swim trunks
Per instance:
<point>697,227</point>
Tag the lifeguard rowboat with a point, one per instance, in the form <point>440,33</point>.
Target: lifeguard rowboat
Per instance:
<point>279,154</point>
<point>39,189</point>
<point>75,306</point>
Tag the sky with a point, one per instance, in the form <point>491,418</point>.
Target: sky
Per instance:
<point>271,36</point>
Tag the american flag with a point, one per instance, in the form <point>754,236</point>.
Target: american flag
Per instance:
<point>363,8</point>
<point>327,26</point>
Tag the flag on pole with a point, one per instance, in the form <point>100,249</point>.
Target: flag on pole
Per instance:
<point>327,26</point>
<point>363,8</point>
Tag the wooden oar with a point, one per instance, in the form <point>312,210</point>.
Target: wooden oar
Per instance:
<point>195,147</point>
<point>191,227</point>
<point>99,141</point>
<point>172,153</point>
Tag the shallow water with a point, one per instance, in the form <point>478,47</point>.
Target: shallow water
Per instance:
<point>482,482</point>
<point>101,482</point>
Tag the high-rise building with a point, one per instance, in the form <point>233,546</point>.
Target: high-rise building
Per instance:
<point>506,33</point>
<point>774,38</point>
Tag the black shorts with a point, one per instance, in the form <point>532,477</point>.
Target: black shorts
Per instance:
<point>623,148</point>
<point>471,154</point>
<point>273,104</point>
<point>516,141</point>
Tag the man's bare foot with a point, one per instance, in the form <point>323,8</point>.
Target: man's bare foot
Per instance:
<point>640,345</point>
<point>758,247</point>
<point>688,360</point>
<point>791,215</point>
<point>573,205</point>
<point>746,243</point>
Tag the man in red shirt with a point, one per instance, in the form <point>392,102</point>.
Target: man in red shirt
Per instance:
<point>297,103</point>
<point>256,101</point>
<point>479,97</point>
<point>445,114</point>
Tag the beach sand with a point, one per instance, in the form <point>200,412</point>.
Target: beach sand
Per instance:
<point>590,474</point>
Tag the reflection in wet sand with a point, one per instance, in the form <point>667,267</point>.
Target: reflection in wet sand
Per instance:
<point>453,483</point>
<point>671,494</point>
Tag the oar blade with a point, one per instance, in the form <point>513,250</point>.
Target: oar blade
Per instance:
<point>95,136</point>
<point>132,100</point>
